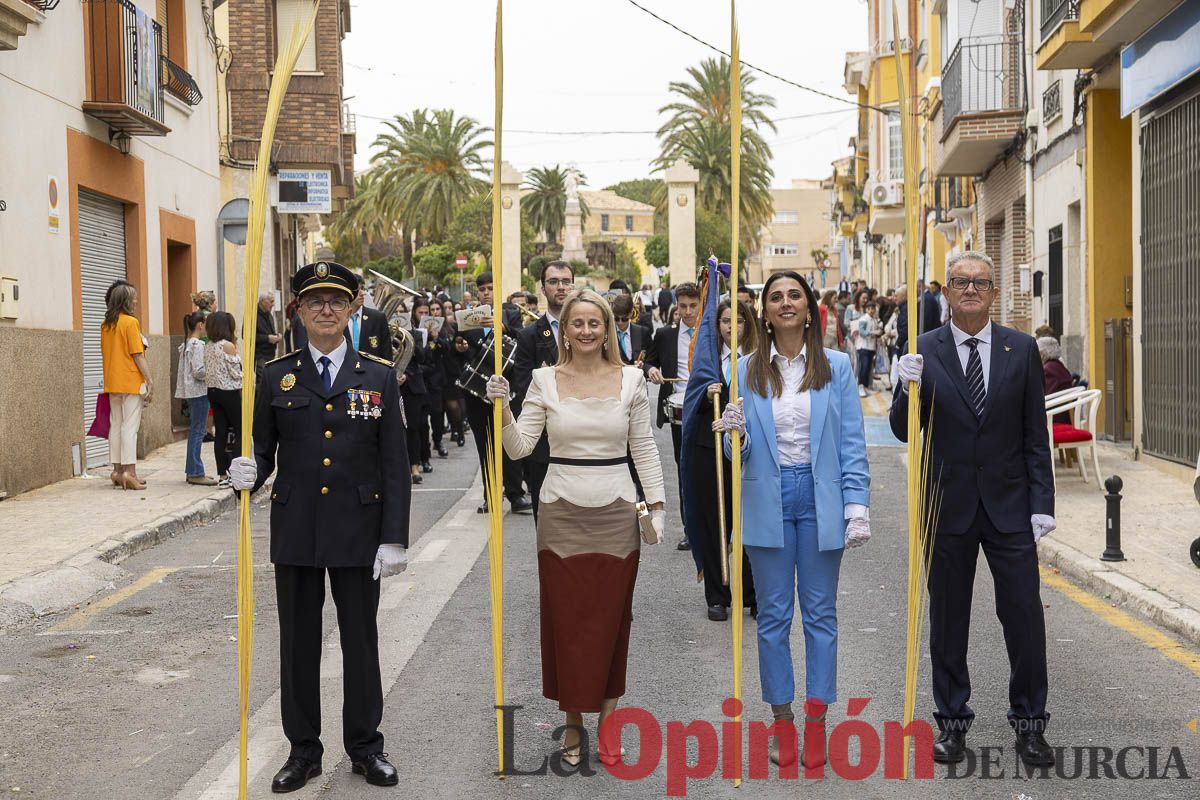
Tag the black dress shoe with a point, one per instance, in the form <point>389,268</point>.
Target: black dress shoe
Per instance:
<point>483,509</point>
<point>522,505</point>
<point>1034,750</point>
<point>295,773</point>
<point>442,451</point>
<point>416,479</point>
<point>718,613</point>
<point>461,440</point>
<point>376,769</point>
<point>426,467</point>
<point>950,747</point>
<point>683,544</point>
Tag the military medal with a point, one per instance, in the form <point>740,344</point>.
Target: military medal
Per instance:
<point>350,394</point>
<point>287,382</point>
<point>375,400</point>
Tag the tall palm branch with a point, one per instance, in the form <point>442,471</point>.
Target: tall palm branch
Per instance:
<point>546,201</point>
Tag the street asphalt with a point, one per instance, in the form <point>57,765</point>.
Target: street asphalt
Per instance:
<point>135,696</point>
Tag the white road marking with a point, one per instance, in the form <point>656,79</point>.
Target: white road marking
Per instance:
<point>399,637</point>
<point>431,551</point>
<point>83,633</point>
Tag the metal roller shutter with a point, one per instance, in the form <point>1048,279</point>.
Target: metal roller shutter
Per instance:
<point>101,261</point>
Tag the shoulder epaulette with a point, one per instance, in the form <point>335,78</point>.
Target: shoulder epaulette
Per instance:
<point>285,356</point>
<point>378,360</point>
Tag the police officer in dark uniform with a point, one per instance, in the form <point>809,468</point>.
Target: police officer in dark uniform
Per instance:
<point>330,418</point>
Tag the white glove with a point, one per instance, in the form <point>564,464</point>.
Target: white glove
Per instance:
<point>497,389</point>
<point>658,518</point>
<point>733,418</point>
<point>910,368</point>
<point>243,472</point>
<point>1042,525</point>
<point>858,532</point>
<point>390,559</point>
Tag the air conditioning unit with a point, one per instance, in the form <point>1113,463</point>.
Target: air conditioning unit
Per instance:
<point>887,193</point>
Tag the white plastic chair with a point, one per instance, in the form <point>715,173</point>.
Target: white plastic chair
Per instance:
<point>1055,397</point>
<point>1086,405</point>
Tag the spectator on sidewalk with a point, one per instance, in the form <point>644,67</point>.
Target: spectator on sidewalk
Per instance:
<point>868,338</point>
<point>831,331</point>
<point>266,340</point>
<point>223,374</point>
<point>191,388</point>
<point>1055,374</point>
<point>127,382</point>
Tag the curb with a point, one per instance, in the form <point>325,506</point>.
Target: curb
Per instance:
<point>93,569</point>
<point>1097,577</point>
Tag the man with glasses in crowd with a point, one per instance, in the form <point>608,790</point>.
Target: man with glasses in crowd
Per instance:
<point>537,346</point>
<point>329,418</point>
<point>983,404</point>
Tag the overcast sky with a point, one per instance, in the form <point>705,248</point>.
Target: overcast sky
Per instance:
<point>601,65</point>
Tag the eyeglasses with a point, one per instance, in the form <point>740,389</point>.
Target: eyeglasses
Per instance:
<point>336,304</point>
<point>565,283</point>
<point>961,284</point>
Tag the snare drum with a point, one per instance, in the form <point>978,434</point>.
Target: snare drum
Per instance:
<point>675,409</point>
<point>475,376</point>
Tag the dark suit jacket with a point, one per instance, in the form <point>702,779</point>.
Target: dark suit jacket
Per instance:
<point>374,337</point>
<point>664,354</point>
<point>931,310</point>
<point>298,425</point>
<point>1002,459</point>
<point>536,347</point>
<point>638,340</point>
<point>263,349</point>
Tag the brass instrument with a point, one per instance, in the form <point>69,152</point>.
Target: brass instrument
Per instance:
<point>390,301</point>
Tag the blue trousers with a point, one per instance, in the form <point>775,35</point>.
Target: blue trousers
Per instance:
<point>198,417</point>
<point>798,569</point>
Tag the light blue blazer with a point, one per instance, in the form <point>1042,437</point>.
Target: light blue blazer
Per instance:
<point>839,459</point>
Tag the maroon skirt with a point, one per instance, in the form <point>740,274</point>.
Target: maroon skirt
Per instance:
<point>587,568</point>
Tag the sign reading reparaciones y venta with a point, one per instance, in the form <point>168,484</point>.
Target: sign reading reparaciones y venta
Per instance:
<point>305,191</point>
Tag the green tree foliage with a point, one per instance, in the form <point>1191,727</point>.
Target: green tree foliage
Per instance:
<point>470,231</point>
<point>546,202</point>
<point>363,222</point>
<point>712,238</point>
<point>658,250</point>
<point>435,259</point>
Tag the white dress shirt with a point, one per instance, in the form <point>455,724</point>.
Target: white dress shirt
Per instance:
<point>683,345</point>
<point>984,347</point>
<point>792,411</point>
<point>336,357</point>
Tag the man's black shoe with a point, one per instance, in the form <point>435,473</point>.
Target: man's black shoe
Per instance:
<point>718,613</point>
<point>208,437</point>
<point>521,505</point>
<point>950,747</point>
<point>416,479</point>
<point>295,773</point>
<point>460,441</point>
<point>376,769</point>
<point>483,509</point>
<point>426,467</point>
<point>1034,751</point>
<point>683,544</point>
<point>442,451</point>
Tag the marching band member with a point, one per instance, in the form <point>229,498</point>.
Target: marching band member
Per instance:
<point>594,410</point>
<point>805,489</point>
<point>330,418</point>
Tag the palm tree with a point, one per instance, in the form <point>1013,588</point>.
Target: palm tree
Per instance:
<point>698,130</point>
<point>430,163</point>
<point>546,202</point>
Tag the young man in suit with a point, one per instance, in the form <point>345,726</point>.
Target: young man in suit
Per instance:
<point>668,359</point>
<point>990,462</point>
<point>537,346</point>
<point>631,339</point>
<point>368,330</point>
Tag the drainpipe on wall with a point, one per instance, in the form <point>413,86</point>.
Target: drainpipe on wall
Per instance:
<point>1030,150</point>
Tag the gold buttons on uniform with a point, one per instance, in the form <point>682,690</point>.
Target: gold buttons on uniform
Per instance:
<point>376,497</point>
<point>326,462</point>
<point>329,406</point>
<point>289,403</point>
<point>328,434</point>
<point>324,490</point>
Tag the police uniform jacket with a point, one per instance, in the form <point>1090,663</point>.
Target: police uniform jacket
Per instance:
<point>343,485</point>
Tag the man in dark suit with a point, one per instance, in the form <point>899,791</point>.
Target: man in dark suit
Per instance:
<point>266,340</point>
<point>537,346</point>
<point>666,299</point>
<point>470,345</point>
<point>367,330</point>
<point>990,463</point>
<point>632,340</point>
<point>330,420</point>
<point>667,363</point>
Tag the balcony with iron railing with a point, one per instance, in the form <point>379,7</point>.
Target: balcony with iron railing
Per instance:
<point>983,103</point>
<point>953,200</point>
<point>1052,103</point>
<point>1062,44</point>
<point>125,75</point>
<point>180,82</point>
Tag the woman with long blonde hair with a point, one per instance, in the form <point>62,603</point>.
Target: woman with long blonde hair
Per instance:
<point>596,413</point>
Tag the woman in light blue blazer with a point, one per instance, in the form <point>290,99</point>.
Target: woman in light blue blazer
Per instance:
<point>805,489</point>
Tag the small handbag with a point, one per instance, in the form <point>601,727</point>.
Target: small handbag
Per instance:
<point>645,526</point>
<point>100,424</point>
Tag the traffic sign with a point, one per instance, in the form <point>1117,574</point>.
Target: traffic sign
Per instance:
<point>460,262</point>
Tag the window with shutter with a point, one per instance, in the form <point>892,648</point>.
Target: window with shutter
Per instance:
<point>289,16</point>
<point>162,14</point>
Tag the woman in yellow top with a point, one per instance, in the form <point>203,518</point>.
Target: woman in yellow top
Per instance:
<point>127,382</point>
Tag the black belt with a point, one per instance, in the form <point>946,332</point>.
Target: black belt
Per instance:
<point>590,462</point>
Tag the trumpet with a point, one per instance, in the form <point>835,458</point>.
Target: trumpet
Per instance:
<point>526,315</point>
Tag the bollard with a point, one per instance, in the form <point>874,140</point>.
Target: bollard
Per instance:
<point>1112,532</point>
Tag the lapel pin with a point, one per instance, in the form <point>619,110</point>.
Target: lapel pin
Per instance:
<point>1007,348</point>
<point>287,381</point>
<point>358,365</point>
<point>545,333</point>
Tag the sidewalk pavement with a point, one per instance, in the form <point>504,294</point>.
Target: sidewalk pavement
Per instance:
<point>60,544</point>
<point>1160,517</point>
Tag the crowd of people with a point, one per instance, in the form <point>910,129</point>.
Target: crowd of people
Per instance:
<point>349,418</point>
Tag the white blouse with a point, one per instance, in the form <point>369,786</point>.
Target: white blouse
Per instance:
<point>589,428</point>
<point>792,411</point>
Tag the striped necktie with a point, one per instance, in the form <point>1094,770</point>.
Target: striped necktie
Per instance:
<point>975,385</point>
